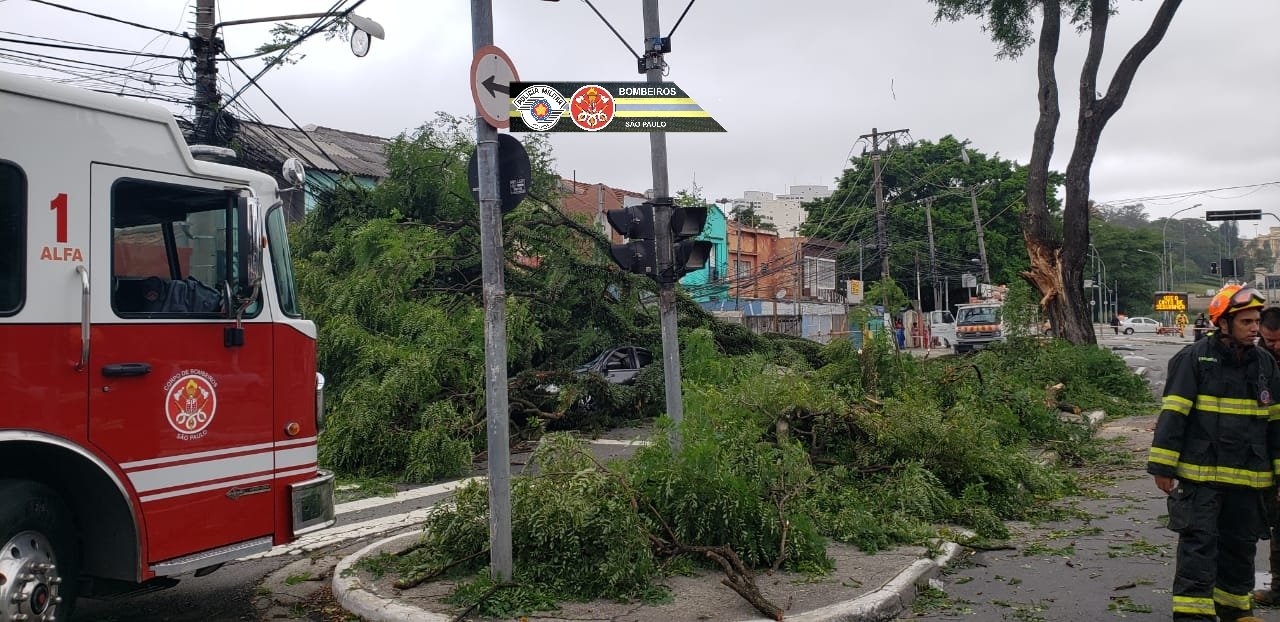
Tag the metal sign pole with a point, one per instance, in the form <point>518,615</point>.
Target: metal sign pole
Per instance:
<point>495,324</point>
<point>662,229</point>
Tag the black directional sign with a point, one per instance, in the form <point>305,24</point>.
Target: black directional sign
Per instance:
<point>1234,214</point>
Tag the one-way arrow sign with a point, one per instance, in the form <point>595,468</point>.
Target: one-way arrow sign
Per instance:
<point>491,85</point>
<point>491,76</point>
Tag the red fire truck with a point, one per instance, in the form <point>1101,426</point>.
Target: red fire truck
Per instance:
<point>159,399</point>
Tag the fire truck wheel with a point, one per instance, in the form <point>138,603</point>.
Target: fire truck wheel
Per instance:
<point>38,561</point>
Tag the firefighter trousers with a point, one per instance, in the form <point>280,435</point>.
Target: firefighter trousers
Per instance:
<point>1218,531</point>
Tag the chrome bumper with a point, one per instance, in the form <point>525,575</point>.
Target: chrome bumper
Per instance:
<point>312,503</point>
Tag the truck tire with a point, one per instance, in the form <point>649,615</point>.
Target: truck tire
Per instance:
<point>39,560</point>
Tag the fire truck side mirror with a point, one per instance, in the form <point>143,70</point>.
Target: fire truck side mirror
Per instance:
<point>249,272</point>
<point>294,172</point>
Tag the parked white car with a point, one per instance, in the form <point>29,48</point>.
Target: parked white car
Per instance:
<point>1131,325</point>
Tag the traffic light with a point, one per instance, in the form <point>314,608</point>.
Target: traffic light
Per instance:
<point>1213,267</point>
<point>638,255</point>
<point>688,254</point>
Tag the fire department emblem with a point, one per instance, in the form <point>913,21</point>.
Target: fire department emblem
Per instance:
<point>591,108</point>
<point>540,106</point>
<point>190,403</point>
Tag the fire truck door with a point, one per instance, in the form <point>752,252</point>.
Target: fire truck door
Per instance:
<point>187,417</point>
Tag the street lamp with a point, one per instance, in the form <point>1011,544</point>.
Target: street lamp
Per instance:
<point>977,219</point>
<point>1161,271</point>
<point>364,27</point>
<point>206,46</point>
<point>1101,283</point>
<point>1164,248</point>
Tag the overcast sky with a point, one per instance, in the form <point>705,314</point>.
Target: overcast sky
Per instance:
<point>794,83</point>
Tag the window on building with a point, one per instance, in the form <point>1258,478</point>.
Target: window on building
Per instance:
<point>819,273</point>
<point>13,201</point>
<point>741,268</point>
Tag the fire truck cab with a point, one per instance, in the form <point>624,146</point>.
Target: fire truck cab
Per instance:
<point>160,400</point>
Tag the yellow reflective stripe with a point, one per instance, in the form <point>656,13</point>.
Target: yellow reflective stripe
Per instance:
<point>1224,475</point>
<point>1160,455</point>
<point>1230,406</point>
<point>1189,604</point>
<point>1275,466</point>
<point>1177,404</point>
<point>1274,411</point>
<point>1237,601</point>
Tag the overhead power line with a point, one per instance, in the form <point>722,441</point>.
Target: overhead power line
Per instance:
<point>1187,194</point>
<point>92,49</point>
<point>110,19</point>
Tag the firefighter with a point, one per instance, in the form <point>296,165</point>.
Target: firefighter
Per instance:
<point>1269,339</point>
<point>1180,321</point>
<point>1213,454</point>
<point>1201,326</point>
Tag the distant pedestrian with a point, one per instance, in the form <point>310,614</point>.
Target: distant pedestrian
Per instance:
<point>1269,339</point>
<point>900,333</point>
<point>1115,323</point>
<point>1201,326</point>
<point>1215,444</point>
<point>1181,322</point>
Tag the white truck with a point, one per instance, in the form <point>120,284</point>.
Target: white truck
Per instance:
<point>942,329</point>
<point>978,325</point>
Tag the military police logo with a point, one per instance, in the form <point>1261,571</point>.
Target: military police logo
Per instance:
<point>540,106</point>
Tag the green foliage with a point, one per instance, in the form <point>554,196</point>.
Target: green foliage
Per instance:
<point>785,442</point>
<point>575,536</point>
<point>870,447</point>
<point>913,174</point>
<point>1021,311</point>
<point>886,293</point>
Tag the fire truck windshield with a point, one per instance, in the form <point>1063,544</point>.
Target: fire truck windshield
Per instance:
<point>281,265</point>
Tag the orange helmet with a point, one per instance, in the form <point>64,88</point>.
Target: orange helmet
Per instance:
<point>1233,299</point>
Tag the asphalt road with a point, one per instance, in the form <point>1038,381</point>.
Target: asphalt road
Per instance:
<point>1111,558</point>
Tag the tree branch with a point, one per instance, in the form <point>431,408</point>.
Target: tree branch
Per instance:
<point>1123,78</point>
<point>1099,16</point>
<point>1037,225</point>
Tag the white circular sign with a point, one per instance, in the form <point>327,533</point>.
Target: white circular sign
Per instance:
<point>492,73</point>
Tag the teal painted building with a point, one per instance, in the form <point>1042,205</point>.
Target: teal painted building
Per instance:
<point>711,282</point>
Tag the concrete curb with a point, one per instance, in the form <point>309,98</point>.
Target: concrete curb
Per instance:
<point>356,598</point>
<point>881,605</point>
<point>893,598</point>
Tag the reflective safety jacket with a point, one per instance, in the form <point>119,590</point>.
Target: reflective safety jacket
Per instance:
<point>1219,422</point>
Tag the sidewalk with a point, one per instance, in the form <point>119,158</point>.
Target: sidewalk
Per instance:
<point>862,587</point>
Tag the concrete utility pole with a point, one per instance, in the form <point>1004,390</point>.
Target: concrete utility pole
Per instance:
<point>982,244</point>
<point>662,232</point>
<point>206,49</point>
<point>918,297</point>
<point>495,321</point>
<point>933,253</point>
<point>882,226</point>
